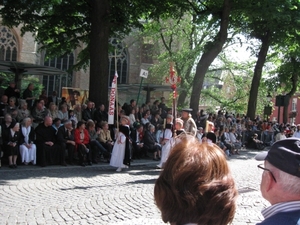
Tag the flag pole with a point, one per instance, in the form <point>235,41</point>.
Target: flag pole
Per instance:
<point>117,100</point>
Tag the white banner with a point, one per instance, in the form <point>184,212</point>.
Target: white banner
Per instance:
<point>112,100</point>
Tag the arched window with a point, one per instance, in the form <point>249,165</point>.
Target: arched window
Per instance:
<point>8,45</point>
<point>56,82</point>
<point>122,61</point>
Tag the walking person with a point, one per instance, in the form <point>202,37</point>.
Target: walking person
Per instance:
<point>118,152</point>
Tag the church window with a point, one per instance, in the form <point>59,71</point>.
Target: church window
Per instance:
<point>122,61</point>
<point>56,82</point>
<point>8,45</point>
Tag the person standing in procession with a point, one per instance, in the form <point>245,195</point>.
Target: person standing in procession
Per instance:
<point>165,139</point>
<point>189,124</point>
<point>118,152</point>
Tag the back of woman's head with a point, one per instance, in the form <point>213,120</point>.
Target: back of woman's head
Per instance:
<point>196,185</point>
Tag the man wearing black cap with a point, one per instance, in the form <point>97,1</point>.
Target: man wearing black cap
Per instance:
<point>189,124</point>
<point>280,184</point>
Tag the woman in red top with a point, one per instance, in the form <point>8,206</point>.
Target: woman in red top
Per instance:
<point>82,140</point>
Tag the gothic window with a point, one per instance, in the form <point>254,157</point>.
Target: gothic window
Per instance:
<point>8,45</point>
<point>56,82</point>
<point>122,61</point>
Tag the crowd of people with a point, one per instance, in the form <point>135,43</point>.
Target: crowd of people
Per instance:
<point>48,131</point>
<point>195,180</point>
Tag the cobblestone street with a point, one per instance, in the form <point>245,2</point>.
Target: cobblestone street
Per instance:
<point>99,195</point>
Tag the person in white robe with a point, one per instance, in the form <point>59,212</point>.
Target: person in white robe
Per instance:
<point>165,141</point>
<point>27,147</point>
<point>118,152</point>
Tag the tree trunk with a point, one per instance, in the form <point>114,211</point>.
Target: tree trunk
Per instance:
<point>98,91</point>
<point>261,59</point>
<point>211,51</point>
<point>181,98</point>
<point>294,80</point>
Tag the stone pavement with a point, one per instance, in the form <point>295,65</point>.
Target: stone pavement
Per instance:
<point>99,195</point>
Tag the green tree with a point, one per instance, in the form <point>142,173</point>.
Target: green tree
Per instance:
<point>62,26</point>
<point>178,40</point>
<point>269,22</point>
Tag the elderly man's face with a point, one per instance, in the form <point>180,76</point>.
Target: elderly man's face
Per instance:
<point>185,115</point>
<point>265,184</point>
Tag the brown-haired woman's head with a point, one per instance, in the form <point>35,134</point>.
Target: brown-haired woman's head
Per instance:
<point>196,185</point>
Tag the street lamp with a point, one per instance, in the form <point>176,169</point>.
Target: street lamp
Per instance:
<point>269,98</point>
<point>268,108</point>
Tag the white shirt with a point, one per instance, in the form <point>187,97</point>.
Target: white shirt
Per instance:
<point>296,134</point>
<point>280,136</point>
<point>281,207</point>
<point>232,137</point>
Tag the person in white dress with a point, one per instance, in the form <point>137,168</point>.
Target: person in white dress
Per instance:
<point>27,147</point>
<point>165,141</point>
<point>118,152</point>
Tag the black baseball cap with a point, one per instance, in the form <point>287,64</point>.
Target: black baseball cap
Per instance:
<point>284,155</point>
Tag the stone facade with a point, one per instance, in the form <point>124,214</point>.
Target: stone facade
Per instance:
<point>28,51</point>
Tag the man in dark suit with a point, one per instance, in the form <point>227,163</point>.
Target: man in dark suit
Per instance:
<point>88,113</point>
<point>12,91</point>
<point>137,142</point>
<point>65,139</point>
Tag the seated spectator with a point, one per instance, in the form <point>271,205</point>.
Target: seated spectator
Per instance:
<point>255,143</point>
<point>11,142</point>
<point>11,108</point>
<point>3,105</point>
<point>63,102</point>
<point>47,149</point>
<point>189,192</point>
<point>156,120</point>
<point>150,143</point>
<point>225,138</point>
<point>44,96</point>
<point>100,115</point>
<point>53,111</point>
<point>137,142</point>
<point>82,140</point>
<point>219,142</point>
<point>78,112</point>
<point>233,139</point>
<point>27,146</point>
<point>39,112</point>
<point>145,120</point>
<point>105,137</point>
<point>96,147</point>
<point>199,133</point>
<point>88,113</point>
<point>63,113</point>
<point>65,139</point>
<point>281,135</point>
<point>132,117</point>
<point>209,135</point>
<point>23,112</point>
<point>73,118</point>
<point>56,125</point>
